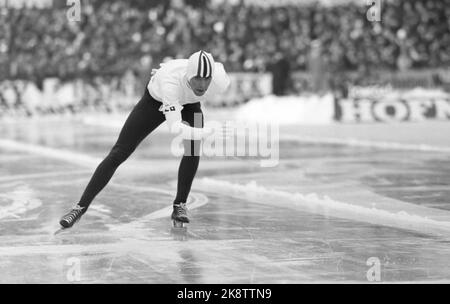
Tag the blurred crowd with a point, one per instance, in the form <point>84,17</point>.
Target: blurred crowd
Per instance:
<point>116,36</point>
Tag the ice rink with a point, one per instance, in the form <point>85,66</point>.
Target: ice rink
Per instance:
<point>342,197</point>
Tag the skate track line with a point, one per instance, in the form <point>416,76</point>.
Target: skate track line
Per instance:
<point>152,246</point>
<point>90,162</point>
<point>197,200</point>
<point>21,177</point>
<point>79,159</point>
<point>352,142</point>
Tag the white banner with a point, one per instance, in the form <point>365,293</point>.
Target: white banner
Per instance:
<point>115,93</point>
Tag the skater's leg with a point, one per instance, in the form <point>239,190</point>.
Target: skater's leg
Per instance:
<point>186,173</point>
<point>191,114</point>
<point>143,119</point>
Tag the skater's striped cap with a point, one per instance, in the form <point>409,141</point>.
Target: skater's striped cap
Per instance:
<point>200,64</point>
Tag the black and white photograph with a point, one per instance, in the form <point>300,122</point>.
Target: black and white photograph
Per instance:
<point>251,143</point>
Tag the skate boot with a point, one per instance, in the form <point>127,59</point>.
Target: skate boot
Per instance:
<point>72,217</point>
<point>179,215</point>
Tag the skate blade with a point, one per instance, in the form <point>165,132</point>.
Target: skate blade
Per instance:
<point>179,225</point>
<point>179,231</point>
<point>61,230</point>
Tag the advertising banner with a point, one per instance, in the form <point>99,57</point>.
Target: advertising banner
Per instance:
<point>416,105</point>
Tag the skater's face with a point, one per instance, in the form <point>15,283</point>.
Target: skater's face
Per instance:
<point>199,85</point>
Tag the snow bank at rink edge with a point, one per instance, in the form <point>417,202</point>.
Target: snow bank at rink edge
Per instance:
<point>390,93</point>
<point>311,109</point>
<point>316,109</point>
<point>313,203</point>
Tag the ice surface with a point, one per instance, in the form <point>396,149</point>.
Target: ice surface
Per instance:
<point>319,216</point>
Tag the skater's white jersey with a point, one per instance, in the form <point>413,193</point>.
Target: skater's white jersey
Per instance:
<point>170,84</point>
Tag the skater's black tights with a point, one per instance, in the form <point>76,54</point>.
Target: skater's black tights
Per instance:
<point>186,172</point>
<point>143,119</point>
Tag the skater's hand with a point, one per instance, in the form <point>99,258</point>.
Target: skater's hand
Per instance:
<point>153,72</point>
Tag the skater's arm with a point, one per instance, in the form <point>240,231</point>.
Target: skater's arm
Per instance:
<point>221,80</point>
<point>171,108</point>
<point>173,119</point>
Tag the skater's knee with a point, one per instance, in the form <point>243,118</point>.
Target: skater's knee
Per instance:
<point>192,148</point>
<point>191,155</point>
<point>118,155</point>
<point>190,163</point>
